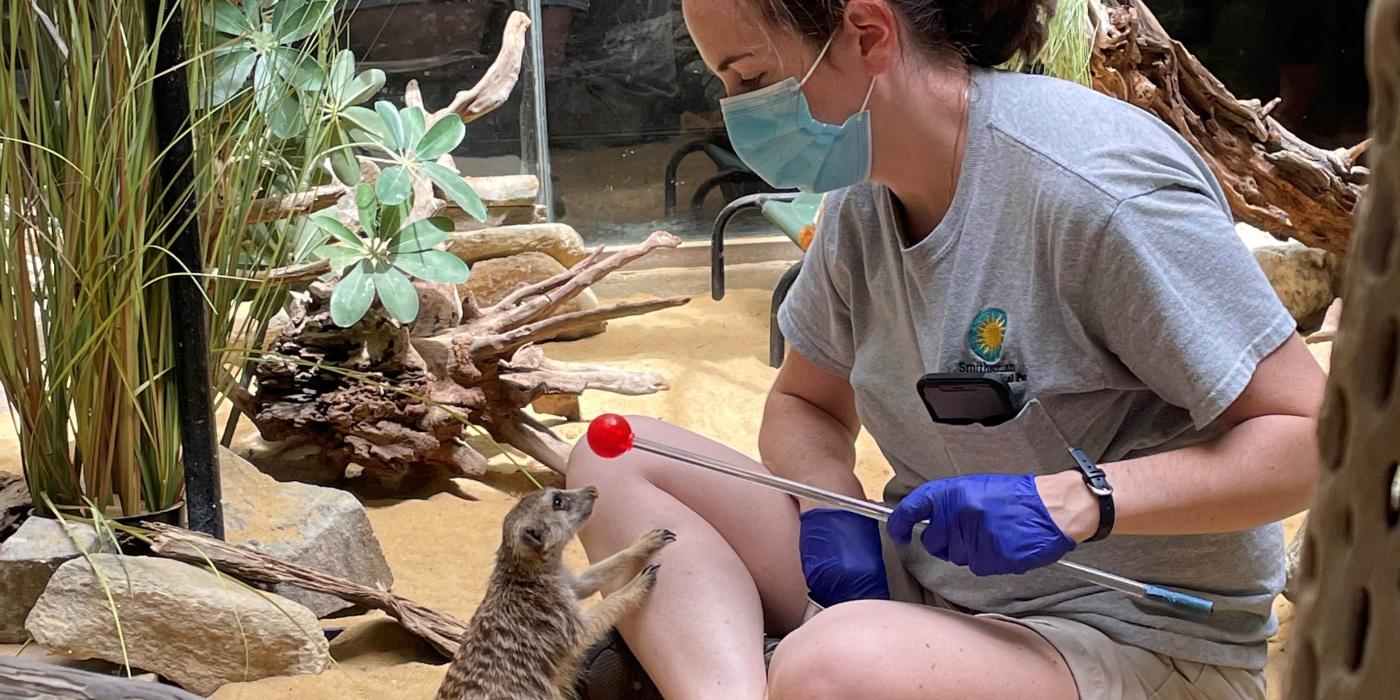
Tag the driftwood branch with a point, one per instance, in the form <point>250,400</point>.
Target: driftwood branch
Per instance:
<point>395,405</point>
<point>535,375</point>
<point>527,435</point>
<point>1273,180</point>
<point>25,679</point>
<point>441,630</point>
<point>548,329</point>
<point>495,87</point>
<point>547,285</point>
<point>584,275</point>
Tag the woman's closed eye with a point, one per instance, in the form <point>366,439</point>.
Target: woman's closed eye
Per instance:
<point>751,84</point>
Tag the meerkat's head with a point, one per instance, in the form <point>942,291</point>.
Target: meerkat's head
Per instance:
<point>542,523</point>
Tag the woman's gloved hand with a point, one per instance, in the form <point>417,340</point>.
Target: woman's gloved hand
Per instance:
<point>990,523</point>
<point>841,557</point>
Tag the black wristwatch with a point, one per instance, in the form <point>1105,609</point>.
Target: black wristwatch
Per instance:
<point>1097,481</point>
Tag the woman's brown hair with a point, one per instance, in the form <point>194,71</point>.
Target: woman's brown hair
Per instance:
<point>983,32</point>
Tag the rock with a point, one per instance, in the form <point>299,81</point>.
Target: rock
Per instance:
<point>14,495</point>
<point>294,459</point>
<point>495,278</point>
<point>1305,279</point>
<point>322,528</point>
<point>558,241</point>
<point>180,621</point>
<point>497,217</point>
<point>563,405</point>
<point>28,559</point>
<point>439,308</point>
<point>275,326</point>
<point>506,190</point>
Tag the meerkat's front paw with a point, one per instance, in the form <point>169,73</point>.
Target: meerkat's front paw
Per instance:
<point>653,541</point>
<point>647,579</point>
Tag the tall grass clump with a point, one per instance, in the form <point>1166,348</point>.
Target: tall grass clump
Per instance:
<point>86,355</point>
<point>84,271</point>
<point>1069,45</point>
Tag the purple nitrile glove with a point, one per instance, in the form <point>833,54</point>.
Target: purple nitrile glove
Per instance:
<point>991,523</point>
<point>841,557</point>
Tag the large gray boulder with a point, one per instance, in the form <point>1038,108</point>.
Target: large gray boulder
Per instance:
<point>197,629</point>
<point>27,560</point>
<point>322,528</point>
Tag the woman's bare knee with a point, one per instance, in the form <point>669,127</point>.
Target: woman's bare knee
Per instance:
<point>586,468</point>
<point>891,650</point>
<point>830,656</point>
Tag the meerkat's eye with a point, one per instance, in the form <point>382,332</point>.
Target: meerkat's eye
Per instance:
<point>558,502</point>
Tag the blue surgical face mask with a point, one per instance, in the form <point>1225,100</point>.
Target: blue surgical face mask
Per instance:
<point>774,133</point>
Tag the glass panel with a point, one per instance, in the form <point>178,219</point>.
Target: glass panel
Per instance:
<point>627,93</point>
<point>447,45</point>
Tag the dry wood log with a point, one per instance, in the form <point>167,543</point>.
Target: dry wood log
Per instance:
<point>1274,180</point>
<point>14,503</point>
<point>26,679</point>
<point>441,630</point>
<point>390,403</point>
<point>495,87</point>
<point>530,372</point>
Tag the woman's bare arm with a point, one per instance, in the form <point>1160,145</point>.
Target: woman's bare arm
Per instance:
<point>810,427</point>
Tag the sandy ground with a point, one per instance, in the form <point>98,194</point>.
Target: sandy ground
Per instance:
<point>441,546</point>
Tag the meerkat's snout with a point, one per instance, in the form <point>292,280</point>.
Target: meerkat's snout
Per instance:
<point>583,499</point>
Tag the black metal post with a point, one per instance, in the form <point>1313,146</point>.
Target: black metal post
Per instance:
<point>198,448</point>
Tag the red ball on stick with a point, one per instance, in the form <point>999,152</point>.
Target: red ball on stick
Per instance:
<point>610,435</point>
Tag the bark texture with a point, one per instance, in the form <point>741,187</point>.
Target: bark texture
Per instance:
<point>1345,640</point>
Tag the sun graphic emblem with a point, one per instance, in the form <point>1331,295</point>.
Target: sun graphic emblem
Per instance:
<point>987,334</point>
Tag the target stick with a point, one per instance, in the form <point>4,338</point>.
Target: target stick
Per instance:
<point>610,436</point>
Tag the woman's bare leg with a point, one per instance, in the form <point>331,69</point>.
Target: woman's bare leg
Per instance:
<point>732,573</point>
<point>894,651</point>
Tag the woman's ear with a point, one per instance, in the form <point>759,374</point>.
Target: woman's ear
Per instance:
<point>877,29</point>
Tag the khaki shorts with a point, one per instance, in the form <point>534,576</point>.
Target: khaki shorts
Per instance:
<point>1107,670</point>
<point>1102,668</point>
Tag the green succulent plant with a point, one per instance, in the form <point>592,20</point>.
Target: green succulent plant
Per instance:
<point>379,263</point>
<point>286,80</point>
<point>403,142</point>
<point>344,91</point>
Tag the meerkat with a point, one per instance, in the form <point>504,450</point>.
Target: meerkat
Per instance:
<point>525,640</point>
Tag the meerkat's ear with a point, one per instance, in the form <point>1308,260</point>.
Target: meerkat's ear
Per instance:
<point>533,537</point>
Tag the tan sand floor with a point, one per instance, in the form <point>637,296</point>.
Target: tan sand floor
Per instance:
<point>441,547</point>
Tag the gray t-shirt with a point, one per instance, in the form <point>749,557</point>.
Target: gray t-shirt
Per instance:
<point>1088,258</point>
